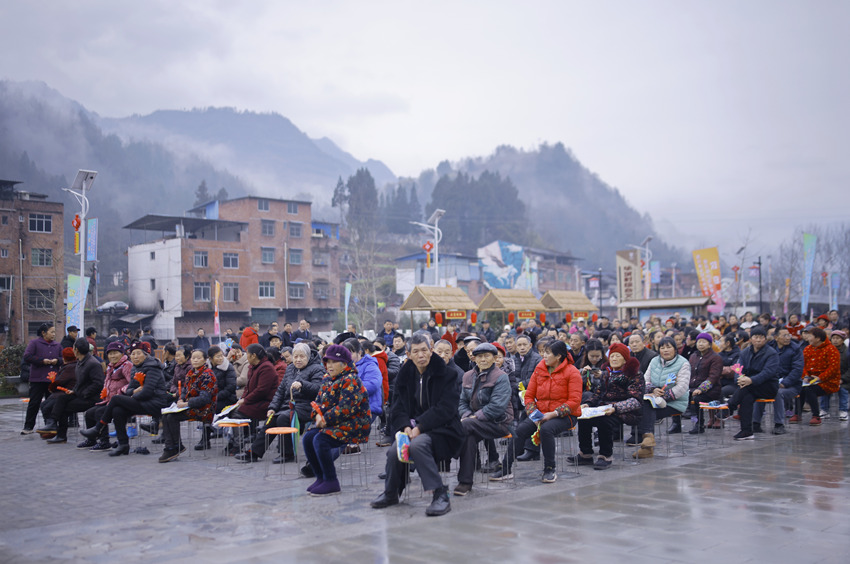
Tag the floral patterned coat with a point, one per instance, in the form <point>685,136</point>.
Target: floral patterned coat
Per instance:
<point>344,403</point>
<point>200,391</point>
<point>623,389</point>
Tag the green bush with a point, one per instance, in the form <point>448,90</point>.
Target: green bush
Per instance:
<point>10,365</point>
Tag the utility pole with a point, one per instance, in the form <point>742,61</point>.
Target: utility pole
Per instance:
<point>761,306</point>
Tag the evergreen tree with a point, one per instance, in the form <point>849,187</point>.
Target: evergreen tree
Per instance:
<point>202,194</point>
<point>413,206</point>
<point>222,195</point>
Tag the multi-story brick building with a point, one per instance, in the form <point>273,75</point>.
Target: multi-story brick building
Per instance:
<point>32,266</point>
<point>272,264</point>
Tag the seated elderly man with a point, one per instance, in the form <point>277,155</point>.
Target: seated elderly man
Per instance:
<point>485,410</point>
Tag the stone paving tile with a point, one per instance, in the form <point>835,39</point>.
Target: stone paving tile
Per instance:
<point>762,501</point>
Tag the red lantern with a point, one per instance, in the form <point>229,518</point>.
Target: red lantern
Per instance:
<point>543,319</point>
<point>438,317</point>
<point>473,317</point>
<point>511,318</point>
<point>594,318</point>
<point>568,318</point>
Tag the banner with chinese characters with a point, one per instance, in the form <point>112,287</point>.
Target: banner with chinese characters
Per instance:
<point>75,302</point>
<point>809,245</point>
<point>91,239</point>
<point>629,275</point>
<point>707,263</point>
<point>216,324</point>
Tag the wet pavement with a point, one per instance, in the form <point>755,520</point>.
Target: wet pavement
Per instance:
<point>775,499</point>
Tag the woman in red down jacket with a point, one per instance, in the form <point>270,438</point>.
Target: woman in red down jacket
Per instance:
<point>553,399</point>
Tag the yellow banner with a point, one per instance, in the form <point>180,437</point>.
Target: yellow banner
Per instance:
<point>707,263</point>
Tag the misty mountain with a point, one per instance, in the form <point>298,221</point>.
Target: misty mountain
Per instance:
<point>266,149</point>
<point>568,207</point>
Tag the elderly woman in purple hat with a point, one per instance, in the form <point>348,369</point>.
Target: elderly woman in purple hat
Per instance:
<point>340,416</point>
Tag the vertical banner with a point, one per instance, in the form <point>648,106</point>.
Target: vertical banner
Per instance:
<point>809,244</point>
<point>835,285</point>
<point>216,324</point>
<point>75,302</point>
<point>707,263</point>
<point>787,296</point>
<point>628,275</point>
<point>91,239</point>
<point>347,300</point>
<point>655,270</point>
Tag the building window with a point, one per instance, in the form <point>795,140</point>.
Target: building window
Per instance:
<point>296,291</point>
<point>153,255</point>
<point>231,260</point>
<point>40,299</point>
<point>202,291</point>
<point>202,259</point>
<point>267,255</point>
<point>295,256</point>
<point>321,259</point>
<point>294,229</point>
<point>33,327</point>
<point>230,292</point>
<point>6,283</point>
<point>42,257</point>
<point>5,220</point>
<point>321,291</point>
<point>268,228</point>
<point>263,204</point>
<point>153,284</point>
<point>4,253</point>
<point>41,223</point>
<point>292,207</point>
<point>266,290</point>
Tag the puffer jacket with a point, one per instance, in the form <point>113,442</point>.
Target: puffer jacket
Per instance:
<point>90,379</point>
<point>559,391</point>
<point>310,378</point>
<point>117,379</point>
<point>487,396</point>
<point>225,378</point>
<point>370,376</point>
<point>623,389</point>
<point>705,374</point>
<point>152,394</point>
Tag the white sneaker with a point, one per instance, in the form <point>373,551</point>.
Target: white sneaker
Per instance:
<point>824,414</point>
<point>842,415</point>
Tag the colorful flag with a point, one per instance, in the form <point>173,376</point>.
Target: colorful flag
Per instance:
<point>809,245</point>
<point>216,325</point>
<point>707,263</point>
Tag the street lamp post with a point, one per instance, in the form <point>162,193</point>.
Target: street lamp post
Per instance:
<point>761,306</point>
<point>82,182</point>
<point>435,219</point>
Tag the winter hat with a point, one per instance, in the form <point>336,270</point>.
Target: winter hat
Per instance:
<point>338,353</point>
<point>758,330</point>
<point>620,348</point>
<point>839,333</point>
<point>140,345</point>
<point>115,346</point>
<point>74,328</point>
<point>68,355</point>
<point>485,348</point>
<point>706,336</point>
<point>500,347</point>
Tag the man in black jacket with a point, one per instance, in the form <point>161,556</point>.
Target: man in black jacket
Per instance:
<point>425,407</point>
<point>85,394</point>
<point>526,360</point>
<point>759,379</point>
<point>638,347</point>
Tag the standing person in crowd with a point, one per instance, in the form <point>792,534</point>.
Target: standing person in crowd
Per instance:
<point>272,331</point>
<point>89,372</point>
<point>706,367</point>
<point>113,336</point>
<point>198,395</point>
<point>622,388</point>
<point>790,381</point>
<point>146,395</point>
<point>43,354</point>
<point>201,341</point>
<point>399,348</point>
<point>485,412</point>
<point>91,337</point>
<point>666,379</point>
<point>250,335</point>
<point>554,391</point>
<point>303,332</point>
<point>821,371</point>
<point>72,332</point>
<point>147,337</point>
<point>759,379</point>
<point>286,335</point>
<point>342,417</point>
<point>433,330</point>
<point>487,333</point>
<point>425,407</point>
<point>119,372</point>
<point>525,362</point>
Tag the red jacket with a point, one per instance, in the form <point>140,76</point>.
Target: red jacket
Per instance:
<point>381,357</point>
<point>259,392</point>
<point>249,337</point>
<point>556,391</point>
<point>823,361</point>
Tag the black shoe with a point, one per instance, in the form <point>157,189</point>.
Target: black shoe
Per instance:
<point>440,504</point>
<point>203,445</point>
<point>581,460</point>
<point>382,476</point>
<point>247,457</point>
<point>501,475</point>
<point>86,444</point>
<point>283,459</point>
<point>757,428</point>
<point>743,436</point>
<point>675,427</point>
<point>384,441</point>
<point>779,430</point>
<point>169,454</point>
<point>91,433</point>
<point>528,455</point>
<point>697,430</point>
<point>152,428</point>
<point>307,471</point>
<point>101,447</point>
<point>119,450</point>
<point>158,440</point>
<point>26,431</point>
<point>601,464</point>
<point>491,467</point>
<point>634,441</point>
<point>49,429</point>
<point>57,440</point>
<point>549,475</point>
<point>384,500</point>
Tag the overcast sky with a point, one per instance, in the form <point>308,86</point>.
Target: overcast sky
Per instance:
<point>713,116</point>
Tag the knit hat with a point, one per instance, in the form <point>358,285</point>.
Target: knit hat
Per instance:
<point>68,355</point>
<point>140,345</point>
<point>758,330</point>
<point>338,353</point>
<point>500,347</point>
<point>620,348</point>
<point>115,346</point>
<point>839,333</point>
<point>485,348</point>
<point>706,336</point>
<point>821,316</point>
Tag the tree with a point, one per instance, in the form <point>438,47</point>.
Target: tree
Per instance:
<point>413,206</point>
<point>222,195</point>
<point>202,194</point>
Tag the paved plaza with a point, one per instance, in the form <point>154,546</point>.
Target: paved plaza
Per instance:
<point>773,500</point>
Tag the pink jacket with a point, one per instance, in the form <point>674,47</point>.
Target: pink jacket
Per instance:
<point>118,375</point>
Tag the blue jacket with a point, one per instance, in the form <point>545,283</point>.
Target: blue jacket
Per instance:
<point>762,367</point>
<point>790,365</point>
<point>373,381</point>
